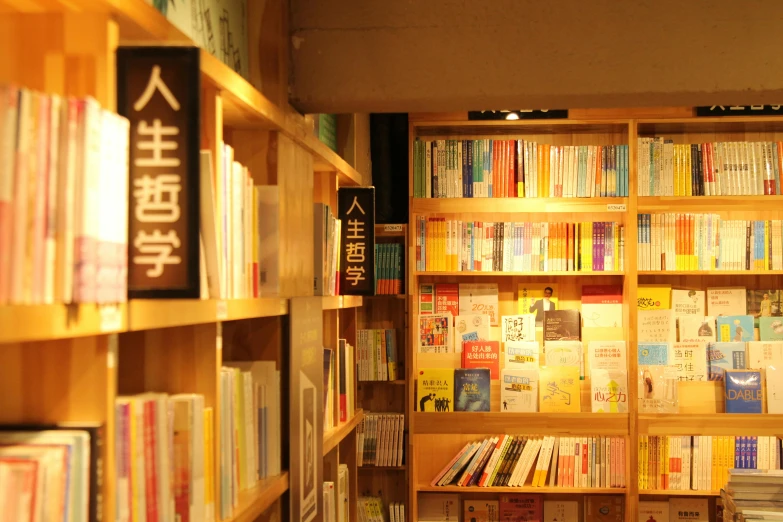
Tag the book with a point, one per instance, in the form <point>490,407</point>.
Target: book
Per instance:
<point>482,354</point>
<point>604,508</point>
<point>774,378</point>
<point>656,326</point>
<point>435,334</point>
<point>435,389</point>
<point>770,328</point>
<point>735,328</point>
<point>519,508</point>
<point>471,389</point>
<point>690,361</point>
<point>607,355</point>
<point>602,306</point>
<point>561,511</point>
<point>688,510</point>
<point>760,355</point>
<point>695,328</point>
<point>519,390</point>
<point>517,328</point>
<point>564,353</point>
<point>559,389</point>
<point>537,298</point>
<point>439,507</point>
<point>653,511</point>
<point>744,391</point>
<point>657,379</point>
<point>474,327</point>
<point>521,355</point>
<point>724,356</point>
<point>479,298</point>
<point>439,299</point>
<point>764,303</point>
<point>480,510</point>
<point>609,391</point>
<point>688,302</point>
<point>726,301</point>
<point>653,297</point>
<point>562,325</point>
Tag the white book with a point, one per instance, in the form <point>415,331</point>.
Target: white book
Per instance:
<point>528,464</point>
<point>761,354</point>
<point>609,391</point>
<point>481,298</point>
<point>521,355</point>
<point>726,301</point>
<point>518,328</point>
<point>519,390</point>
<point>696,328</point>
<point>656,326</point>
<point>561,511</point>
<point>653,511</point>
<point>690,360</point>
<point>774,379</point>
<point>471,327</point>
<point>688,302</point>
<point>563,353</point>
<point>607,355</point>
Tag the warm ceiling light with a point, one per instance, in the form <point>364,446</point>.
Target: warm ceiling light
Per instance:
<point>512,116</point>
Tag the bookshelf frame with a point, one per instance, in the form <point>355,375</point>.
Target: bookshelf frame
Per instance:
<point>700,411</point>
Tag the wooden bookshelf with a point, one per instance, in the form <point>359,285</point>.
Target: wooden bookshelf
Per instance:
<point>426,488</point>
<point>517,206</point>
<point>708,204</point>
<point>253,502</point>
<point>678,493</point>
<point>334,436</point>
<point>514,274</point>
<point>49,322</point>
<point>521,423</point>
<point>710,424</point>
<point>147,314</point>
<point>338,302</point>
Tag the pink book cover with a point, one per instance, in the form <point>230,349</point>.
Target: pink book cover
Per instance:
<point>585,463</point>
<point>40,200</point>
<point>9,98</point>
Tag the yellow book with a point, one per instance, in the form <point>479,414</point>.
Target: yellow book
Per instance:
<point>714,466</point>
<point>766,245</point>
<point>540,170</point>
<point>640,458</point>
<point>559,390</point>
<point>646,462</point>
<point>435,389</point>
<point>209,465</point>
<point>136,475</point>
<point>654,297</point>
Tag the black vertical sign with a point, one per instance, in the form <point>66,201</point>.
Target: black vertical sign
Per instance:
<point>158,90</point>
<point>356,211</point>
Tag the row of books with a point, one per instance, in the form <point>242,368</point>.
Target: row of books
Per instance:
<point>463,246</point>
<point>732,168</point>
<point>487,168</point>
<point>388,268</point>
<point>339,384</point>
<point>681,241</point>
<point>335,497</point>
<point>370,509</point>
<point>326,250</point>
<point>377,355</point>
<point>702,462</point>
<point>250,428</point>
<point>51,472</point>
<point>508,460</point>
<point>449,507</point>
<point>164,452</point>
<point>714,301</point>
<point>380,439</point>
<point>752,495</point>
<point>63,200</point>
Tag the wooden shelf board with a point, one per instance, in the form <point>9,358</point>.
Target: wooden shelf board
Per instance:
<point>709,203</point>
<point>710,272</point>
<point>511,128</point>
<point>521,423</point>
<point>514,205</point>
<point>426,488</point>
<point>20,323</point>
<point>254,501</point>
<point>679,493</point>
<point>383,468</point>
<point>336,302</point>
<point>710,424</point>
<point>718,124</point>
<point>398,382</point>
<point>386,296</point>
<point>148,314</point>
<point>334,436</point>
<point>515,274</point>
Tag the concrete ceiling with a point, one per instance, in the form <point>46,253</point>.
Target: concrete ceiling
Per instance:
<point>456,55</point>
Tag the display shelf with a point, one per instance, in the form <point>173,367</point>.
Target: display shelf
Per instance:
<point>679,493</point>
<point>710,424</point>
<point>515,274</point>
<point>333,437</point>
<point>517,205</point>
<point>526,489</point>
<point>59,321</point>
<point>521,423</point>
<point>147,314</point>
<point>514,128</point>
<point>710,272</point>
<point>254,501</point>
<point>709,204</point>
<point>337,302</point>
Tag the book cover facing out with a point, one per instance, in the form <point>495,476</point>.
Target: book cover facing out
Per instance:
<point>480,510</point>
<point>744,392</point>
<point>521,507</point>
<point>482,354</point>
<point>771,328</point>
<point>725,356</point>
<point>435,389</point>
<point>562,325</point>
<point>735,328</point>
<point>471,389</point>
<point>604,508</point>
<point>519,390</point>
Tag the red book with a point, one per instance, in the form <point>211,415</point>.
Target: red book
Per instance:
<point>482,354</point>
<point>150,459</point>
<point>447,299</point>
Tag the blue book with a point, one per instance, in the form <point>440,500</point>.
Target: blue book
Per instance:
<point>653,354</point>
<point>735,328</point>
<point>471,389</point>
<point>724,356</point>
<point>744,391</point>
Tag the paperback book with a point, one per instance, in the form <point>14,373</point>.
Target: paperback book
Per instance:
<point>657,379</point>
<point>474,327</point>
<point>519,390</point>
<point>688,302</point>
<point>435,333</point>
<point>482,354</point>
<point>744,391</point>
<point>521,355</point>
<point>602,306</point>
<point>471,389</point>
<point>609,391</point>
<point>559,389</point>
<point>537,298</point>
<point>724,356</point>
<point>479,299</point>
<point>735,328</point>
<point>435,389</point>
<point>562,325</point>
<point>695,328</point>
<point>517,328</point>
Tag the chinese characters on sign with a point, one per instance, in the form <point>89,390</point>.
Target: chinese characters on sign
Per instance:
<point>739,110</point>
<point>356,211</point>
<point>537,114</point>
<point>158,91</point>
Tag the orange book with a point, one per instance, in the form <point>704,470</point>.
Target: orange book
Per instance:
<point>547,169</point>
